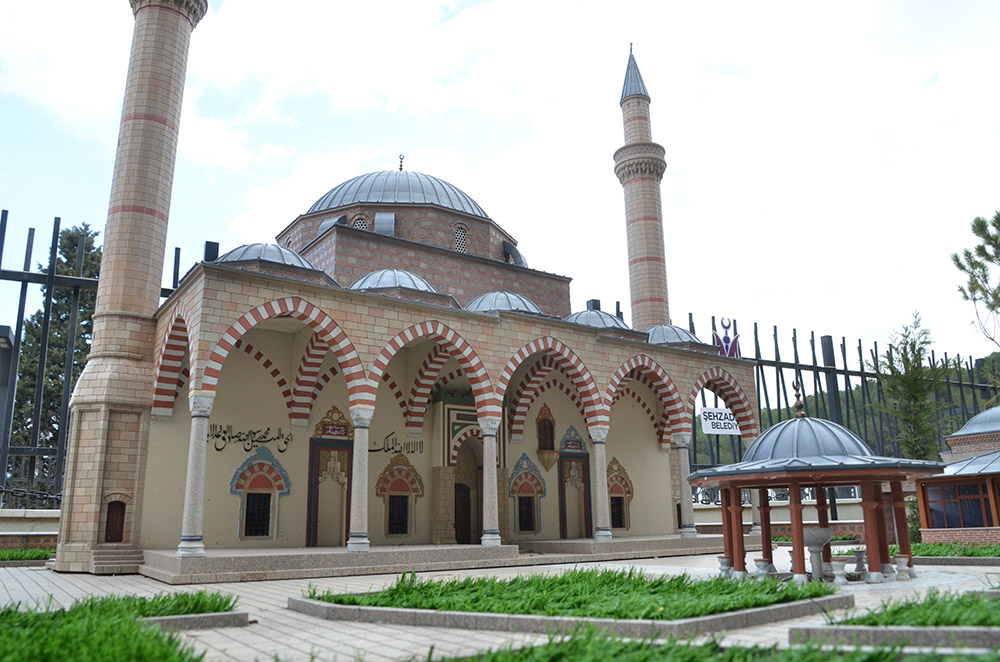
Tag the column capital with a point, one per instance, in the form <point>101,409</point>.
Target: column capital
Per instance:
<point>681,439</point>
<point>361,415</point>
<point>192,10</point>
<point>489,425</point>
<point>200,403</point>
<point>598,434</point>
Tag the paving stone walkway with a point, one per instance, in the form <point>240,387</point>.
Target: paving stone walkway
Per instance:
<point>276,632</point>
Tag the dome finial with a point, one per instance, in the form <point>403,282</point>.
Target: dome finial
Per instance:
<point>630,48</point>
<point>800,409</point>
<point>401,157</point>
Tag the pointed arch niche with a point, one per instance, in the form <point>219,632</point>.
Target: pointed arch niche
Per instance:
<point>259,482</point>
<point>399,485</point>
<point>527,487</point>
<point>620,493</point>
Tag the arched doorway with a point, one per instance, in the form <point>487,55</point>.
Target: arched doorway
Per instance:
<point>468,491</point>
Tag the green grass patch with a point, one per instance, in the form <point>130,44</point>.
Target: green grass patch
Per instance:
<point>935,609</point>
<point>948,549</point>
<point>843,538</point>
<point>103,629</point>
<point>590,645</point>
<point>584,593</point>
<point>26,554</point>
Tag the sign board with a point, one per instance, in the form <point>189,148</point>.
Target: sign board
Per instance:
<point>718,421</point>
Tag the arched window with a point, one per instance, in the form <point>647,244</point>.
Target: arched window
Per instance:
<point>360,222</point>
<point>461,239</point>
<point>526,487</point>
<point>259,482</point>
<point>545,425</point>
<point>620,494</point>
<point>400,486</point>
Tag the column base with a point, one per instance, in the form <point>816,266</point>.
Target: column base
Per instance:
<point>358,542</point>
<point>800,579</point>
<point>755,529</point>
<point>738,574</point>
<point>602,534</point>
<point>689,531</point>
<point>193,546</point>
<point>491,538</point>
<point>874,578</point>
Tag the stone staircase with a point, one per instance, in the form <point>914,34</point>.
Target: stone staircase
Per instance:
<point>122,561</point>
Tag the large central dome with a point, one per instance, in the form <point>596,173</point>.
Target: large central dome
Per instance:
<point>399,186</point>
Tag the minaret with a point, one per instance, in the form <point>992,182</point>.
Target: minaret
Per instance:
<point>640,167</point>
<point>112,402</point>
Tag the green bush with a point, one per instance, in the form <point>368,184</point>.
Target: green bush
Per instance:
<point>26,554</point>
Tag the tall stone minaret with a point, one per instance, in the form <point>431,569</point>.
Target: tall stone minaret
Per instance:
<point>640,167</point>
<point>112,402</point>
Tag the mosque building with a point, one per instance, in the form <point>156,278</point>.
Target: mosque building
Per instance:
<point>390,372</point>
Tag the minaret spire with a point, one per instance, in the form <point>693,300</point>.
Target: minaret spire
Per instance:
<point>639,166</point>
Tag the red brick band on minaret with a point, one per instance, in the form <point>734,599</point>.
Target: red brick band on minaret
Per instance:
<point>649,300</point>
<point>637,219</point>
<point>635,118</point>
<point>134,209</point>
<point>646,259</point>
<point>152,118</point>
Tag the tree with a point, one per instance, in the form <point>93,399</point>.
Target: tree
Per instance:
<point>909,379</point>
<point>980,287</point>
<point>22,470</point>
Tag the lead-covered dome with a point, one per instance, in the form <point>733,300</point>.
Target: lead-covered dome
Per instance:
<point>399,187</point>
<point>668,334</point>
<point>386,278</point>
<point>597,318</point>
<point>265,253</point>
<point>985,422</point>
<point>502,301</point>
<point>805,437</point>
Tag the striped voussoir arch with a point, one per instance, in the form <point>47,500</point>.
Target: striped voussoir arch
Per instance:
<point>273,370</point>
<point>654,377</point>
<point>456,443</point>
<point>323,380</point>
<point>396,391</point>
<point>487,403</point>
<point>526,393</point>
<point>595,407</point>
<point>167,384</point>
<point>444,381</point>
<point>358,390</point>
<point>725,385</point>
<point>629,392</point>
<point>565,390</point>
<point>306,380</point>
<point>420,395</point>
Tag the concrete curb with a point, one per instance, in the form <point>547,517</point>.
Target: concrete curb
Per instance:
<point>876,635</point>
<point>956,560</point>
<point>562,624</point>
<point>34,563</point>
<point>219,619</point>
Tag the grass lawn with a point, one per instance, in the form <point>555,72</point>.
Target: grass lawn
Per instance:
<point>949,549</point>
<point>935,609</point>
<point>26,554</point>
<point>584,593</point>
<point>103,629</point>
<point>589,645</point>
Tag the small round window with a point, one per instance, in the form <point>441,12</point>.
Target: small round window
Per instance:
<point>360,222</point>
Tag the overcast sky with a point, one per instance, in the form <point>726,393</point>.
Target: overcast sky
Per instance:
<point>824,159</point>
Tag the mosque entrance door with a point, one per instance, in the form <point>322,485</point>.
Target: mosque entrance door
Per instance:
<point>463,514</point>
<point>329,498</point>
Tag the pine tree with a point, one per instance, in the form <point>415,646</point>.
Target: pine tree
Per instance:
<point>24,471</point>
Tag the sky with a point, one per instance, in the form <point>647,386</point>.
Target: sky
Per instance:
<point>824,159</point>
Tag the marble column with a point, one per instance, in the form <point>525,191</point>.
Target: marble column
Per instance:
<point>766,546</point>
<point>823,519</point>
<point>357,539</point>
<point>491,507</point>
<point>755,528</point>
<point>192,532</point>
<point>682,440</point>
<point>602,509</point>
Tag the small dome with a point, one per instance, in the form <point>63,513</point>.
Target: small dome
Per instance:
<point>984,422</point>
<point>597,318</point>
<point>387,278</point>
<point>667,334</point>
<point>399,187</point>
<point>266,253</point>
<point>805,437</point>
<point>493,301</point>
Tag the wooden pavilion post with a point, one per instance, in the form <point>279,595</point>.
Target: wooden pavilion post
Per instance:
<point>798,543</point>
<point>727,524</point>
<point>766,549</point>
<point>991,491</point>
<point>738,549</point>
<point>869,506</point>
<point>902,526</point>
<point>823,517</point>
<point>883,532</point>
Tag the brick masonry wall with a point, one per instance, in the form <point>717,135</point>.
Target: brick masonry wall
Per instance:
<point>979,535</point>
<point>974,444</point>
<point>28,540</point>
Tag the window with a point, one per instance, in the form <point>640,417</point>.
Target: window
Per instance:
<point>257,519</point>
<point>360,222</point>
<point>959,506</point>
<point>462,239</point>
<point>114,525</point>
<point>546,434</point>
<point>618,512</point>
<point>526,514</point>
<point>399,514</point>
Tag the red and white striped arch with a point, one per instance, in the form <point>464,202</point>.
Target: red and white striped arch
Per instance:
<point>657,380</point>
<point>487,403</point>
<point>168,381</point>
<point>307,379</point>
<point>629,392</point>
<point>323,380</point>
<point>358,390</point>
<point>726,387</point>
<point>444,381</point>
<point>456,443</point>
<point>397,392</point>
<point>420,395</point>
<point>273,370</point>
<point>526,394</point>
<point>595,407</point>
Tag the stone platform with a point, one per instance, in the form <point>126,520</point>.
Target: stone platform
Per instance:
<point>243,565</point>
